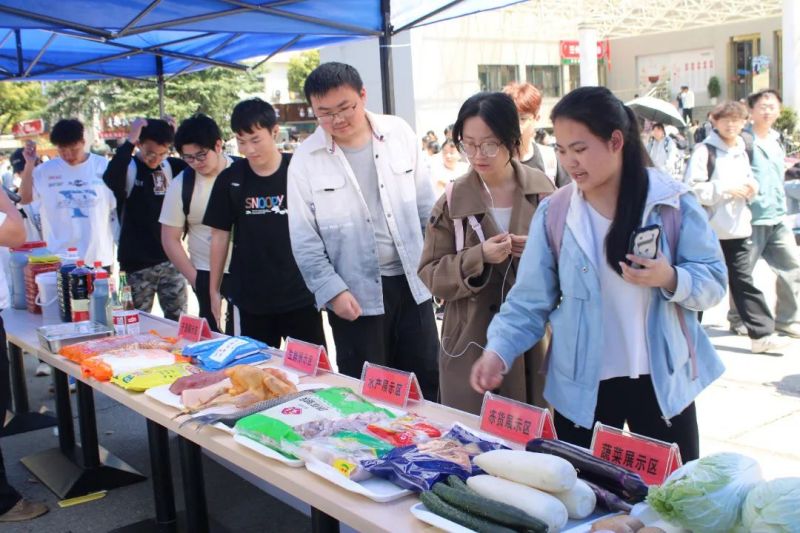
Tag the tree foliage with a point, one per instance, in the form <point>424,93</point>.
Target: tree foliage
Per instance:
<point>300,67</point>
<point>19,101</point>
<point>213,91</point>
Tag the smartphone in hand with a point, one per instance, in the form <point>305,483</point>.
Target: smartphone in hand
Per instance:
<point>644,243</point>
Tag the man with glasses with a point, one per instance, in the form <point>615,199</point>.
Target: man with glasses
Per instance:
<point>139,184</point>
<point>361,196</point>
<point>199,141</point>
<point>76,208</point>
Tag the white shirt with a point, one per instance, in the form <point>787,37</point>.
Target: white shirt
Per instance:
<point>442,175</point>
<point>199,237</point>
<point>5,294</point>
<point>502,215</point>
<point>77,209</point>
<point>624,349</point>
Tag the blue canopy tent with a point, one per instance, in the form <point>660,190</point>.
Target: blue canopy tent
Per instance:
<point>146,39</point>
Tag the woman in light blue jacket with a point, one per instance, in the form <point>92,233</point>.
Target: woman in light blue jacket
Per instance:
<point>626,345</point>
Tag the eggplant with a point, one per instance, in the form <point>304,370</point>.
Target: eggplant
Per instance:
<point>627,485</point>
<point>608,499</point>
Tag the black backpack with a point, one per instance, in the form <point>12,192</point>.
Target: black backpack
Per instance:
<point>187,189</point>
<point>711,164</point>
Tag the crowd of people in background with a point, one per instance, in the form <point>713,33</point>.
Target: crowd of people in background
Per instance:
<point>524,238</point>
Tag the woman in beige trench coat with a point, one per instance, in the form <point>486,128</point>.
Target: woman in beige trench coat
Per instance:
<point>497,198</point>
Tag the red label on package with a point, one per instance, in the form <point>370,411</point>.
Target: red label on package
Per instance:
<point>193,328</point>
<point>306,357</point>
<point>515,421</point>
<point>652,459</point>
<point>388,385</point>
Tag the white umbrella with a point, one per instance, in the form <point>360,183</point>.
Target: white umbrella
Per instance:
<point>656,110</point>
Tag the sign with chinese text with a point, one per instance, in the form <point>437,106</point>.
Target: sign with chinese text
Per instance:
<point>306,357</point>
<point>652,459</point>
<point>388,385</point>
<point>515,421</point>
<point>570,51</point>
<point>193,328</point>
<point>28,127</point>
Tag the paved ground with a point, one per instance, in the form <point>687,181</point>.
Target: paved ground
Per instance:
<point>753,409</point>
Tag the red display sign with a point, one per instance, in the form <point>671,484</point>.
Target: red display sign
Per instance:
<point>193,328</point>
<point>570,50</point>
<point>28,127</point>
<point>652,459</point>
<point>305,357</point>
<point>388,385</point>
<point>515,421</point>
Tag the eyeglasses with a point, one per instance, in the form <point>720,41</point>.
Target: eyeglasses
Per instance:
<point>344,114</point>
<point>199,157</point>
<point>488,148</point>
<point>154,155</point>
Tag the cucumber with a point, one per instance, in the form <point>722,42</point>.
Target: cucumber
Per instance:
<point>441,508</point>
<point>501,513</point>
<point>458,483</point>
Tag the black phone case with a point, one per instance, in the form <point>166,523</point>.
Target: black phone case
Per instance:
<point>632,241</point>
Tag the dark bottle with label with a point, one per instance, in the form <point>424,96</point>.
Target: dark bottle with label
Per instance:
<point>62,281</point>
<point>79,291</point>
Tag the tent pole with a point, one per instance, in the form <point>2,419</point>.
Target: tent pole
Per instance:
<point>385,51</point>
<point>160,74</point>
<point>20,65</point>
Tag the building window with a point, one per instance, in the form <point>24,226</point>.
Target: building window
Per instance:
<point>574,78</point>
<point>546,78</point>
<point>743,48</point>
<point>495,77</point>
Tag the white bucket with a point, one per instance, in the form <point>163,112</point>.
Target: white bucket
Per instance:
<point>47,298</point>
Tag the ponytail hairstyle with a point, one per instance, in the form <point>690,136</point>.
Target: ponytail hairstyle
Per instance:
<point>603,113</point>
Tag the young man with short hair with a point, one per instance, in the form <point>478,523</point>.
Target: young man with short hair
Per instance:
<point>76,208</point>
<point>199,141</point>
<point>249,199</point>
<point>139,184</point>
<point>361,195</point>
<point>772,238</point>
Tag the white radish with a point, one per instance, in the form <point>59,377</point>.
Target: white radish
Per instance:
<point>580,500</point>
<point>538,470</point>
<point>534,502</point>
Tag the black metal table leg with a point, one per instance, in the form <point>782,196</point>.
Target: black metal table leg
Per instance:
<point>161,473</point>
<point>194,491</point>
<point>323,523</point>
<point>66,428</point>
<point>23,420</point>
<point>87,424</point>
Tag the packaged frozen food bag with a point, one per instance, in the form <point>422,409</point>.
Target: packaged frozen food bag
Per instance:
<point>420,466</point>
<point>343,450</point>
<point>141,380</point>
<point>151,340</point>
<point>106,365</point>
<point>406,430</point>
<point>305,417</point>
<point>216,354</point>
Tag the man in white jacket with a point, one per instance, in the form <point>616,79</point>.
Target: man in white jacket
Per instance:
<point>359,197</point>
<point>720,175</point>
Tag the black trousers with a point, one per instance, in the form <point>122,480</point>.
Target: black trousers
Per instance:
<point>202,289</point>
<point>404,337</point>
<point>622,400</point>
<point>8,495</point>
<point>304,324</point>
<point>753,308</point>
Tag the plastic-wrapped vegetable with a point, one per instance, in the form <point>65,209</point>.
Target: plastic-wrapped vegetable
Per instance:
<point>706,495</point>
<point>773,507</point>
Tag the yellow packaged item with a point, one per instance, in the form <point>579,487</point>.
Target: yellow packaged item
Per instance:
<point>141,380</point>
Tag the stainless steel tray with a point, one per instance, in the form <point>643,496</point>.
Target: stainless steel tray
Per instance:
<point>55,336</point>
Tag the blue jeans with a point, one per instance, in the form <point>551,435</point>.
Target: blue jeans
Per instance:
<point>776,244</point>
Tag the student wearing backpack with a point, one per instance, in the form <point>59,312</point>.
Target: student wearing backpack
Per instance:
<point>626,345</point>
<point>473,242</point>
<point>249,200</point>
<point>719,174</point>
<point>664,152</point>
<point>139,183</point>
<point>199,141</point>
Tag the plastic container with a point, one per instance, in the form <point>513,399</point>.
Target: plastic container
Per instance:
<point>99,298</point>
<point>17,263</point>
<point>47,298</point>
<point>39,262</point>
<point>68,264</point>
<point>79,285</point>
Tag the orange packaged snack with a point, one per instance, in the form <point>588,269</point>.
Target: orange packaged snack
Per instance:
<point>151,340</point>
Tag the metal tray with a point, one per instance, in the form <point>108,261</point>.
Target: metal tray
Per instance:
<point>55,336</point>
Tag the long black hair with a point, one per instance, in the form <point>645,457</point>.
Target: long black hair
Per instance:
<point>603,113</point>
<point>499,112</point>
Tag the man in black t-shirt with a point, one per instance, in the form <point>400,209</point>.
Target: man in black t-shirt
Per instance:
<point>249,199</point>
<point>139,184</point>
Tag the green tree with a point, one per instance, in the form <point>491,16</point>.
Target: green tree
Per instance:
<point>19,101</point>
<point>300,67</point>
<point>76,99</point>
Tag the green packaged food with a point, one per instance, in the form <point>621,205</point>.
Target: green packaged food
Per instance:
<point>141,380</point>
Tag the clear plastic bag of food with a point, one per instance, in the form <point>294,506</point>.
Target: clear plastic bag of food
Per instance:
<point>144,341</point>
<point>141,380</point>
<point>343,450</point>
<point>224,352</point>
<point>406,430</point>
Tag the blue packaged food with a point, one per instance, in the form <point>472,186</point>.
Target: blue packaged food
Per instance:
<point>216,354</point>
<point>420,466</point>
